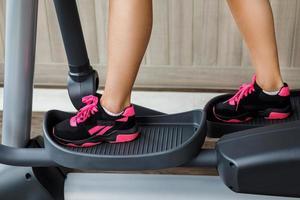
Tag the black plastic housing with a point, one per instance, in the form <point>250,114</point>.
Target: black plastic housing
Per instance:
<point>165,141</point>
<point>42,157</point>
<point>72,34</point>
<point>83,79</point>
<point>216,128</point>
<point>80,85</point>
<point>262,161</point>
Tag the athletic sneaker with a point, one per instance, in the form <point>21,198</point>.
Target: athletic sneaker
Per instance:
<point>251,101</point>
<point>92,126</point>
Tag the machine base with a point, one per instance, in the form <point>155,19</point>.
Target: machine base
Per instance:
<point>262,161</point>
<point>149,187</point>
<point>165,141</point>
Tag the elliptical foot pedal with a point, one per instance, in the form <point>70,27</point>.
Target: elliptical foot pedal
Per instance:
<point>216,128</point>
<point>165,141</point>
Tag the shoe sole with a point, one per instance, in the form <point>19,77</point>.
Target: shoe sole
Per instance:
<point>120,139</point>
<point>113,138</point>
<point>269,114</point>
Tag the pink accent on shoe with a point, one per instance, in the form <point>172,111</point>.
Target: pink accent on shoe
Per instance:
<point>85,112</point>
<point>129,111</point>
<point>244,90</point>
<point>284,92</point>
<point>73,122</point>
<point>72,145</point>
<point>95,129</point>
<point>232,103</point>
<point>234,120</point>
<point>125,138</point>
<point>88,144</point>
<point>277,115</point>
<point>104,130</point>
<point>124,119</point>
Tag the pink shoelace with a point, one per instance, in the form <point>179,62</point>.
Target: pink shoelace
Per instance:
<point>244,90</point>
<point>85,112</point>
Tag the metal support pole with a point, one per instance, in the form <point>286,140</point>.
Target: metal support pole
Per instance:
<point>71,31</point>
<point>83,79</point>
<point>20,38</point>
<point>20,42</point>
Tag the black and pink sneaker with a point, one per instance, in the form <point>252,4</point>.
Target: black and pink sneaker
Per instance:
<point>251,101</point>
<point>92,126</point>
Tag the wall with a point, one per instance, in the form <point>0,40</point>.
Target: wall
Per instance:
<point>195,44</point>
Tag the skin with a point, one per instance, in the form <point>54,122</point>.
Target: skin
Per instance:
<point>130,25</point>
<point>255,21</point>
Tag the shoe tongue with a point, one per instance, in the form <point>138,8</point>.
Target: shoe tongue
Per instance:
<point>98,95</point>
<point>257,87</point>
<point>99,104</point>
<point>101,112</point>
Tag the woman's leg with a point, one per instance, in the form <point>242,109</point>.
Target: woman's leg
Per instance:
<point>255,21</point>
<point>266,96</point>
<point>130,25</point>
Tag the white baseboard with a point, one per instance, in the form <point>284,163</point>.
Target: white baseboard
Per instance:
<point>168,102</point>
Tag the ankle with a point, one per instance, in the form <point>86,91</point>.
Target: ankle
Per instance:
<point>113,105</point>
<point>270,85</point>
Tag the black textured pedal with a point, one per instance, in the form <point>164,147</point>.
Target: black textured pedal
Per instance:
<point>216,128</point>
<point>165,141</point>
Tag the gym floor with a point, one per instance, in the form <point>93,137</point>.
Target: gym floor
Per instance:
<point>168,102</point>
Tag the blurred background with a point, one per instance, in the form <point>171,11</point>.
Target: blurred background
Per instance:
<point>195,45</point>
